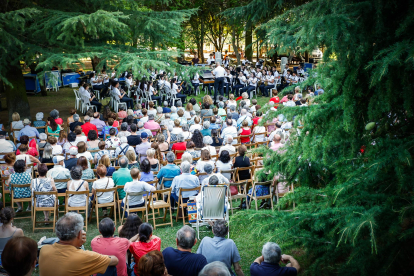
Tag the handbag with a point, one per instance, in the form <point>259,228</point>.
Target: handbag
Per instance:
<point>233,190</point>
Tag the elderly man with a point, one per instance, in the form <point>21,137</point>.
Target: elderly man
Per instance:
<point>206,131</point>
<point>122,175</point>
<point>230,130</point>
<point>181,261</point>
<point>6,145</point>
<point>268,263</point>
<point>152,124</point>
<point>166,109</point>
<point>73,160</point>
<point>208,168</point>
<point>278,130</point>
<point>228,140</point>
<point>88,126</point>
<point>142,148</point>
<point>221,249</point>
<point>28,130</point>
<point>66,258</point>
<point>243,117</point>
<point>123,147</point>
<point>59,172</point>
<point>214,269</point>
<point>107,244</point>
<point>169,171</point>
<point>185,181</point>
<point>134,139</point>
<point>179,105</point>
<point>141,129</point>
<point>98,122</point>
<point>276,143</point>
<point>75,122</point>
<point>234,114</point>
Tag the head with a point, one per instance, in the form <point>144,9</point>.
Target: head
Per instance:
<point>245,95</point>
<point>10,158</point>
<point>6,215</point>
<point>242,150</point>
<point>277,138</point>
<point>86,118</point>
<point>124,126</point>
<point>140,125</point>
<point>186,237</point>
<point>207,140</point>
<point>19,256</point>
<point>123,162</point>
<point>48,152</point>
<point>206,125</point>
<point>23,148</point>
<point>170,157</point>
<point>76,172</point>
<point>24,139</point>
<point>213,180</point>
<point>101,170</point>
<point>205,155</point>
<point>83,162</point>
<point>144,136</point>
<point>271,253</point>
<point>26,122</point>
<point>131,226</point>
<point>220,228</point>
<point>152,264</point>
<point>208,168</point>
<point>215,269</point>
<point>130,154</point>
<point>19,166</point>
<point>69,228</point>
<point>92,135</point>
<point>173,109</point>
<point>54,114</point>
<point>224,156</point>
<point>107,228</point>
<point>145,232</point>
<point>112,132</point>
<point>145,165</point>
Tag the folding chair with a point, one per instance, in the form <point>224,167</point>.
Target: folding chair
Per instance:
<point>213,204</point>
<point>61,194</point>
<point>119,200</point>
<point>52,209</point>
<point>4,191</point>
<point>165,179</point>
<point>78,209</point>
<point>21,200</point>
<point>181,203</point>
<point>254,197</point>
<point>143,209</point>
<point>97,205</point>
<point>290,189</point>
<point>158,204</point>
<point>242,194</point>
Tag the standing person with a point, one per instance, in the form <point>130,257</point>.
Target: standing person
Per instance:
<point>218,73</point>
<point>195,59</point>
<point>66,258</point>
<point>181,261</point>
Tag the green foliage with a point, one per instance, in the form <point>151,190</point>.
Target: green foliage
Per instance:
<point>354,210</point>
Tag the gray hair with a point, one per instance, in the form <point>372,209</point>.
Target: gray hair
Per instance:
<point>124,126</point>
<point>232,108</point>
<point>185,127</point>
<point>208,168</point>
<point>69,226</point>
<point>123,161</point>
<point>221,104</point>
<point>192,113</point>
<point>54,114</point>
<point>170,157</point>
<point>75,117</point>
<point>42,136</point>
<point>47,152</point>
<point>173,109</point>
<point>140,124</point>
<point>207,140</point>
<point>180,137</point>
<point>167,115</point>
<point>187,157</point>
<point>76,172</point>
<point>165,103</point>
<point>243,103</point>
<point>206,124</point>
<point>186,237</point>
<point>216,268</point>
<point>243,111</point>
<point>151,116</point>
<point>159,110</point>
<point>179,103</point>
<point>271,253</point>
<point>220,228</point>
<point>185,167</point>
<point>213,180</point>
<point>229,139</point>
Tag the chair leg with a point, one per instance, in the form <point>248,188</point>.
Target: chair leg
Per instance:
<point>178,208</point>
<point>34,221</point>
<point>153,218</point>
<point>114,212</point>
<point>97,215</point>
<point>182,214</point>
<point>255,201</point>
<point>171,216</point>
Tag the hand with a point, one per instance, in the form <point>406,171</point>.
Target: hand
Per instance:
<point>285,258</point>
<point>83,237</point>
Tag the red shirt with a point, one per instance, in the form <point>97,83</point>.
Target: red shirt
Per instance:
<point>244,140</point>
<point>256,121</point>
<point>139,249</point>
<point>274,99</point>
<point>88,126</point>
<point>59,121</point>
<point>179,146</point>
<point>113,246</point>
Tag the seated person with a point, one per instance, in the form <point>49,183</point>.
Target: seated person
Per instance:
<point>185,181</point>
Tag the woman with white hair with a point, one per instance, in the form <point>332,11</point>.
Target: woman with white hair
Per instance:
<point>39,122</point>
<point>187,134</point>
<point>154,162</point>
<point>187,157</point>
<point>159,117</point>
<point>206,131</point>
<point>47,156</point>
<point>174,114</point>
<point>207,141</point>
<point>196,125</point>
<point>245,97</point>
<point>179,145</point>
<point>55,115</point>
<point>204,159</point>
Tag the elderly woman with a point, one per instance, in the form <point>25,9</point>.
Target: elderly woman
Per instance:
<point>191,150</point>
<point>159,117</point>
<point>196,125</point>
<point>55,115</point>
<point>124,130</point>
<point>132,159</point>
<point>259,129</point>
<point>44,184</point>
<point>206,129</point>
<point>162,144</point>
<point>16,124</point>
<point>197,139</point>
<point>103,182</point>
<point>205,159</point>
<point>207,141</point>
<point>179,145</point>
<point>186,133</point>
<point>188,158</point>
<point>39,122</point>
<point>176,129</point>
<point>47,156</point>
<point>77,184</point>
<point>56,148</point>
<point>7,168</point>
<point>245,97</point>
<point>206,111</point>
<point>174,114</point>
<point>20,177</point>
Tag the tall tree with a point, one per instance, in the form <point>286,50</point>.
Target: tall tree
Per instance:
<point>352,162</point>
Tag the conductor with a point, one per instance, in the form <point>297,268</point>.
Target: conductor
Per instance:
<point>218,73</point>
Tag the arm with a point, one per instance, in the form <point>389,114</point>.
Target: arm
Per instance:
<point>114,261</point>
<point>238,269</point>
<point>34,159</point>
<point>259,260</point>
<point>52,183</point>
<point>134,238</point>
<point>293,262</point>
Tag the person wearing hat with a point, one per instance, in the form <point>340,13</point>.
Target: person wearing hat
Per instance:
<point>142,148</point>
<point>152,124</point>
<point>88,126</point>
<point>75,123</point>
<point>59,172</point>
<point>73,160</point>
<point>28,130</point>
<point>123,147</point>
<point>141,130</point>
<point>39,122</point>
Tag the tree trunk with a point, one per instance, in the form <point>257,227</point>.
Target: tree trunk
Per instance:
<point>201,53</point>
<point>95,61</point>
<point>248,40</point>
<point>235,46</point>
<point>16,96</point>
<point>306,56</point>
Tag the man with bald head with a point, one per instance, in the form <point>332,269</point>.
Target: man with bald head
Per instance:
<point>276,143</point>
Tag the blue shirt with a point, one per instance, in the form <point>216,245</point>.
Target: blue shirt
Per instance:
<point>206,132</point>
<point>214,126</point>
<point>185,181</point>
<point>182,262</point>
<point>271,270</point>
<point>169,171</point>
<point>29,131</point>
<point>39,124</point>
<point>166,110</point>
<point>146,177</point>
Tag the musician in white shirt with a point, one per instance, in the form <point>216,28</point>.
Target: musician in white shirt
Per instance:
<point>270,79</point>
<point>218,73</point>
<point>196,82</point>
<point>240,82</point>
<point>245,61</point>
<point>226,61</point>
<point>293,78</point>
<point>175,90</point>
<point>300,71</point>
<point>228,79</point>
<point>285,70</point>
<point>96,82</point>
<point>210,60</point>
<point>88,98</point>
<point>122,96</point>
<point>252,85</point>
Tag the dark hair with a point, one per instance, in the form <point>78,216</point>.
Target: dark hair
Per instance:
<point>145,232</point>
<point>190,145</point>
<point>145,166</point>
<point>6,215</point>
<point>133,127</point>
<point>112,131</point>
<point>76,172</point>
<point>106,113</point>
<point>173,80</point>
<point>101,145</point>
<point>92,135</point>
<point>242,150</point>
<point>42,169</point>
<point>23,148</point>
<point>214,135</point>
<point>52,123</point>
<point>130,227</point>
<point>151,264</point>
<point>24,139</point>
<point>83,162</point>
<point>206,106</point>
<point>224,156</point>
<point>193,101</point>
<point>107,227</point>
<point>197,139</point>
<point>71,137</point>
<point>19,166</point>
<point>130,120</point>
<point>19,255</point>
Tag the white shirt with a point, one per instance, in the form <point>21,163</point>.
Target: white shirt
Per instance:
<point>194,127</point>
<point>231,149</point>
<point>57,149</point>
<point>219,72</point>
<point>300,71</point>
<point>210,61</point>
<point>232,131</point>
<point>135,187</point>
<point>104,183</point>
<point>87,155</point>
<point>84,94</point>
<point>129,82</point>
<point>245,61</point>
<point>259,75</point>
<point>80,139</point>
<point>116,93</point>
<point>94,81</point>
<point>253,82</point>
<point>174,89</point>
<point>200,165</point>
<point>243,80</point>
<point>270,79</point>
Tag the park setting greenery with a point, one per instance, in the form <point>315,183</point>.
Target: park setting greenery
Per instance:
<point>351,163</point>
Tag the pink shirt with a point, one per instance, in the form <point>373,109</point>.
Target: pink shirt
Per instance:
<point>284,99</point>
<point>151,124</point>
<point>277,146</point>
<point>113,246</point>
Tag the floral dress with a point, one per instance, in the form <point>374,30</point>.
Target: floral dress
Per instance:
<point>43,185</point>
<point>21,179</point>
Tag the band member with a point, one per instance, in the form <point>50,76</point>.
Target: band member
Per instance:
<point>153,93</point>
<point>300,72</point>
<point>121,96</point>
<point>293,78</point>
<point>252,81</point>
<point>195,59</point>
<point>240,83</point>
<point>175,90</point>
<point>259,74</point>
<point>218,74</point>
<point>210,60</point>
<point>226,61</point>
<point>196,82</point>
<point>88,97</point>
<point>96,82</point>
<point>245,61</point>
<point>228,79</point>
<point>269,84</point>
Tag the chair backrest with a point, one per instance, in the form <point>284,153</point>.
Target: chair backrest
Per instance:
<point>160,192</point>
<point>166,179</point>
<point>188,190</point>
<point>250,169</point>
<point>134,194</point>
<point>213,202</point>
<point>108,190</point>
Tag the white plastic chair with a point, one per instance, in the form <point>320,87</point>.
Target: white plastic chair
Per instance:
<point>86,106</point>
<point>78,99</point>
<point>213,206</point>
<point>118,103</point>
